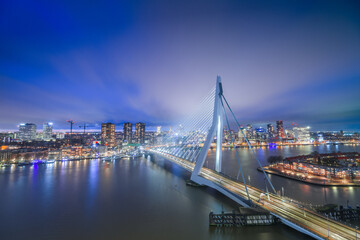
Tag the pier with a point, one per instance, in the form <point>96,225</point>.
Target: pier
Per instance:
<point>245,217</point>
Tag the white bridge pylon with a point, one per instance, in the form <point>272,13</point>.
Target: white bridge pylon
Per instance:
<point>216,129</point>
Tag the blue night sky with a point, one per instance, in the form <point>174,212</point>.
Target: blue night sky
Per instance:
<point>153,61</point>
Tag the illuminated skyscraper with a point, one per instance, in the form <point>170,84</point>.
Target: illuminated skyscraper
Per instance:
<point>270,130</point>
<point>140,132</point>
<point>280,129</point>
<point>47,130</point>
<point>128,132</point>
<point>158,130</point>
<point>241,136</point>
<point>27,131</point>
<point>249,131</point>
<point>108,134</point>
<point>302,134</point>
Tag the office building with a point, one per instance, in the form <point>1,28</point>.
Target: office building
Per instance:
<point>158,130</point>
<point>249,131</point>
<point>108,134</point>
<point>140,132</point>
<point>260,134</point>
<point>47,131</point>
<point>241,136</point>
<point>302,134</point>
<point>280,129</point>
<point>270,130</point>
<point>128,132</point>
<point>27,131</point>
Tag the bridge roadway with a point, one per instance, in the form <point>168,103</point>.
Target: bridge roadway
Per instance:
<point>318,225</point>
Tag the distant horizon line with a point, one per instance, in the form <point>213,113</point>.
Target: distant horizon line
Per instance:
<point>152,128</point>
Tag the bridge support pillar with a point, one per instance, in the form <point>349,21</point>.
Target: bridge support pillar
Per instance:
<point>219,126</point>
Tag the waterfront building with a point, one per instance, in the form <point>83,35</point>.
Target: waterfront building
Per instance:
<point>260,134</point>
<point>320,137</point>
<point>226,135</point>
<point>280,129</point>
<point>331,165</point>
<point>27,131</point>
<point>158,130</point>
<point>24,154</point>
<point>128,132</point>
<point>54,154</point>
<point>5,155</point>
<point>241,136</point>
<point>270,130</point>
<point>74,152</point>
<point>108,134</point>
<point>302,134</point>
<point>249,131</point>
<point>47,131</point>
<point>140,132</point>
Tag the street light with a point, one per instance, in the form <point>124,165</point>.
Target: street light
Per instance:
<point>304,211</point>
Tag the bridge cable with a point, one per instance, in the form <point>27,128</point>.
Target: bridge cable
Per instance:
<point>236,153</point>
<point>252,150</point>
<point>195,135</point>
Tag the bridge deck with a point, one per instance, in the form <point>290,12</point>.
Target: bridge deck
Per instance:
<point>293,215</point>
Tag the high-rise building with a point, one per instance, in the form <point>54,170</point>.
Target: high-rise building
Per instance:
<point>128,132</point>
<point>241,136</point>
<point>302,134</point>
<point>280,129</point>
<point>158,130</point>
<point>108,134</point>
<point>260,134</point>
<point>27,131</point>
<point>47,130</point>
<point>249,131</point>
<point>140,132</point>
<point>270,130</point>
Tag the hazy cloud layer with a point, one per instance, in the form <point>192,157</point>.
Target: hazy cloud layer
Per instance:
<point>153,61</point>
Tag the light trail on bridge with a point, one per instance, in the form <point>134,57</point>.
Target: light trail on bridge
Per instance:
<point>188,147</point>
<point>290,211</point>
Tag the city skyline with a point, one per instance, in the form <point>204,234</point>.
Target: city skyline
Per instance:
<point>150,62</point>
<point>96,127</point>
<point>191,119</point>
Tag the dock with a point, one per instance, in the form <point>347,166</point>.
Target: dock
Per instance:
<point>244,217</point>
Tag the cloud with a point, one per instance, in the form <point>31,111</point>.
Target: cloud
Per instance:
<point>155,61</point>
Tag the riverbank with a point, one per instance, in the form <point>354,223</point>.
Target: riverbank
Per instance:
<point>278,144</point>
<point>316,180</point>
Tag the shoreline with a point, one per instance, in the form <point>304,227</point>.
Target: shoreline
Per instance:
<point>275,145</point>
<point>309,181</point>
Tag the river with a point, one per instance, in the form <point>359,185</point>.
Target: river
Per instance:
<point>125,199</point>
<point>306,193</point>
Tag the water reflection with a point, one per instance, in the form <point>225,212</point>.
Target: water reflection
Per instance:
<point>125,199</point>
<point>294,189</point>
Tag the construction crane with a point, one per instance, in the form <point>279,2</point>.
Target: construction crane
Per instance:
<point>83,126</point>
<point>71,125</point>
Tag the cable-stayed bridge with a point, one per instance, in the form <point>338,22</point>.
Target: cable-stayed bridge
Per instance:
<point>188,145</point>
